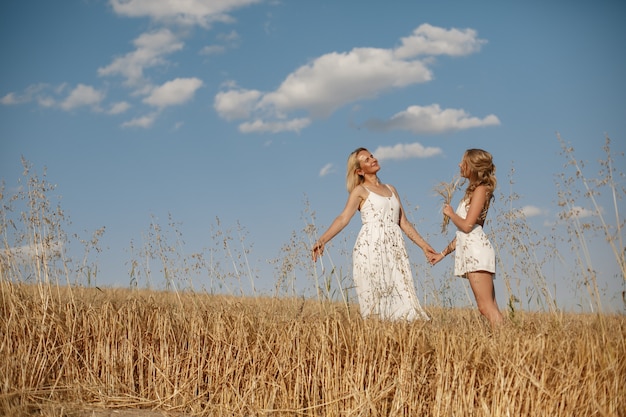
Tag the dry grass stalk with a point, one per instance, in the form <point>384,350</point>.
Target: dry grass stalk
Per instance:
<point>446,191</point>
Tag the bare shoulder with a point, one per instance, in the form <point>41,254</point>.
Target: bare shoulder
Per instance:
<point>481,190</point>
<point>480,193</point>
<point>360,191</point>
<point>357,195</point>
<point>392,189</point>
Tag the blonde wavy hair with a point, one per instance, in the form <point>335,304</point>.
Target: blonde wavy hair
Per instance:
<point>352,178</point>
<point>482,172</point>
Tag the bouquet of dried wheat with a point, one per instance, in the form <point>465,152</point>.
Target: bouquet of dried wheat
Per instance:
<point>446,190</point>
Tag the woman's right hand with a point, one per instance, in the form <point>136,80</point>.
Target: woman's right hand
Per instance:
<point>318,250</point>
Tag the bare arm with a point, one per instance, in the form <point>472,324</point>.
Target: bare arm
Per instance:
<point>354,201</point>
<point>410,231</point>
<point>477,203</point>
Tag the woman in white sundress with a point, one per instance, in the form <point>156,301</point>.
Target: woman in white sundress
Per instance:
<point>475,258</point>
<point>381,267</point>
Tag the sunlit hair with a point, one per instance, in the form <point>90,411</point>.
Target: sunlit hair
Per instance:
<point>482,171</point>
<point>352,178</point>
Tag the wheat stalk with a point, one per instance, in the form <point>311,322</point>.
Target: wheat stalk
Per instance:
<point>446,191</point>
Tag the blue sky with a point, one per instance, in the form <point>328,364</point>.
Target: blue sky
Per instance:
<point>242,110</point>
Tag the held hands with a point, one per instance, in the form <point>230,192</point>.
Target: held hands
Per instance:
<point>434,258</point>
<point>430,254</point>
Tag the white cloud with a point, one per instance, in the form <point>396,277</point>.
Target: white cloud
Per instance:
<point>144,121</point>
<point>579,212</point>
<point>406,151</point>
<point>83,95</point>
<point>236,104</point>
<point>187,12</point>
<point>119,107</point>
<point>49,96</point>
<point>11,98</point>
<point>150,51</point>
<point>32,92</point>
<point>336,79</point>
<point>27,253</point>
<point>327,169</point>
<point>531,211</point>
<point>174,92</point>
<point>431,40</point>
<point>46,101</point>
<point>431,119</point>
<point>260,126</point>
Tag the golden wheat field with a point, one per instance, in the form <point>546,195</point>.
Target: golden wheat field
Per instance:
<point>86,352</point>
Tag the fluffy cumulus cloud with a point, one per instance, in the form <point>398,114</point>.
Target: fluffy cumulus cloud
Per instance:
<point>170,24</point>
<point>33,92</point>
<point>430,120</point>
<point>150,50</point>
<point>142,121</point>
<point>58,97</point>
<point>336,79</point>
<point>432,40</point>
<point>26,254</point>
<point>406,151</point>
<point>527,212</point>
<point>154,48</point>
<point>236,104</point>
<point>174,92</point>
<point>312,91</point>
<point>83,95</point>
<point>531,211</point>
<point>186,12</point>
<point>119,107</point>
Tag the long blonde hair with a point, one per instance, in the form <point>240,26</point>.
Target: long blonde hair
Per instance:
<point>352,178</point>
<point>482,172</point>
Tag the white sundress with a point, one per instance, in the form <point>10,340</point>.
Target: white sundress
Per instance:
<point>473,250</point>
<point>381,267</point>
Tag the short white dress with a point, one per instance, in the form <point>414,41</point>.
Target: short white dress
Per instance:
<point>381,268</point>
<point>473,250</point>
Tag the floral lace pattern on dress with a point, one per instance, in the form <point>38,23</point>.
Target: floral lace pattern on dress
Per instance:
<point>381,267</point>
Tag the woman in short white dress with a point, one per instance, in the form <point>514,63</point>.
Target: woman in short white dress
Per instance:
<point>475,258</point>
<point>381,268</point>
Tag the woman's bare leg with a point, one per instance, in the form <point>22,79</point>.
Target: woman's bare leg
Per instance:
<point>485,295</point>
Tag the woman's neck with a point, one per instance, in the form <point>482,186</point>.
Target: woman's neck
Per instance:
<point>372,180</point>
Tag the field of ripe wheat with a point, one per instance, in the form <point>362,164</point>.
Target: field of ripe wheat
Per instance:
<point>66,350</point>
<point>71,348</point>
